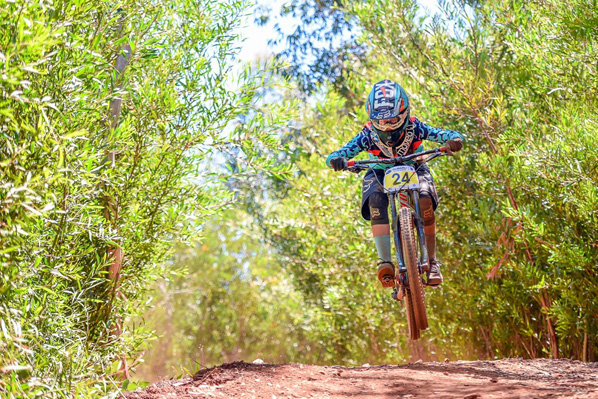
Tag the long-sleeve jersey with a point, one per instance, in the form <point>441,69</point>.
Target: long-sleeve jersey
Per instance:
<point>415,133</point>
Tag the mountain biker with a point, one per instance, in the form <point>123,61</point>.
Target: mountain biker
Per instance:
<point>392,132</point>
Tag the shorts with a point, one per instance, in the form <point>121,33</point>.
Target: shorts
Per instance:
<point>373,182</point>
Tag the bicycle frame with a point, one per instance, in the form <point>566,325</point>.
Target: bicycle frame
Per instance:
<point>400,185</point>
<point>407,198</point>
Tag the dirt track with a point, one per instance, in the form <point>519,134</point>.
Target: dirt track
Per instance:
<point>512,378</point>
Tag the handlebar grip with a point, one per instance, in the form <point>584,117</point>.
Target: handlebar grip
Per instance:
<point>445,148</point>
<point>350,163</point>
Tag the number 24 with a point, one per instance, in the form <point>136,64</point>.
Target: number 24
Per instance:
<point>398,179</point>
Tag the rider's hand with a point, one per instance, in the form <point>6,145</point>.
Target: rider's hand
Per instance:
<point>339,163</point>
<point>454,144</point>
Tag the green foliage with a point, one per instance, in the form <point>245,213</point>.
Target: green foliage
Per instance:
<point>288,274</point>
<point>74,188</point>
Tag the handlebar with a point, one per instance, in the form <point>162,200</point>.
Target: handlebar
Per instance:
<point>444,150</point>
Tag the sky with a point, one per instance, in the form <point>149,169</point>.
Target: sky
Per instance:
<point>256,37</point>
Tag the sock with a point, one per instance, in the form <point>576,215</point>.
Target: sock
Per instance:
<point>383,247</point>
<point>431,246</point>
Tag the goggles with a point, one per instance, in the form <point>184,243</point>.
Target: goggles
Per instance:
<point>387,125</point>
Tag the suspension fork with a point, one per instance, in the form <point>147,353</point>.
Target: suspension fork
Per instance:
<point>419,224</point>
<point>397,233</point>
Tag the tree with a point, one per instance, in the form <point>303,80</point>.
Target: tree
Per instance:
<point>58,306</point>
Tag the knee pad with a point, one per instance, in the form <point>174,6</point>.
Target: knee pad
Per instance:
<point>427,208</point>
<point>378,208</point>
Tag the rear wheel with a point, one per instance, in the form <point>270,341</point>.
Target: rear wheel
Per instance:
<point>411,323</point>
<point>415,292</point>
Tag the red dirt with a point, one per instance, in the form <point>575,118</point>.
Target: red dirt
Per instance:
<point>509,378</point>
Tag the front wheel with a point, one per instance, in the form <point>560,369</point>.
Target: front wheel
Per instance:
<point>415,290</point>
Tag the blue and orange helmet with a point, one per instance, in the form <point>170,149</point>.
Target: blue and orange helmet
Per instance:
<point>388,109</point>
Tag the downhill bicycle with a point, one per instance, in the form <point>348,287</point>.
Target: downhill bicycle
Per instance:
<point>401,184</point>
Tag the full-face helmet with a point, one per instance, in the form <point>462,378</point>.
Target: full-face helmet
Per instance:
<point>388,109</point>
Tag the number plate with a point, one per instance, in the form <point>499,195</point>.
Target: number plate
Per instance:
<point>400,178</point>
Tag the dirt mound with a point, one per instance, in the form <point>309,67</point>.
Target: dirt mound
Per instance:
<point>509,378</point>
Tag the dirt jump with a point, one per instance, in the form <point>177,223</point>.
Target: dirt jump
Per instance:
<point>509,378</point>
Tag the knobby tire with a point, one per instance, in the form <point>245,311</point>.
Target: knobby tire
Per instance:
<point>415,293</point>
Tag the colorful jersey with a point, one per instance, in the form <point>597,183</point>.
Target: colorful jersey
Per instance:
<point>416,132</point>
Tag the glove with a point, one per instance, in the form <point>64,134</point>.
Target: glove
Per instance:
<point>339,163</point>
<point>454,144</point>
